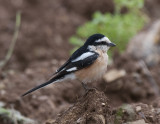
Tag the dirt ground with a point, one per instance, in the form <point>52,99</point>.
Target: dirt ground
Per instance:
<point>43,46</point>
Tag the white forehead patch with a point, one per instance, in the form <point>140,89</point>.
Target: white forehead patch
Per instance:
<point>83,56</point>
<point>103,39</point>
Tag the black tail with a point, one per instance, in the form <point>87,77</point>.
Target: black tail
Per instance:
<point>52,80</point>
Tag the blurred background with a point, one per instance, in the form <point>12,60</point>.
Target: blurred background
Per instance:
<point>37,36</point>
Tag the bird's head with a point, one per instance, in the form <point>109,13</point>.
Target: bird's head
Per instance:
<point>99,41</point>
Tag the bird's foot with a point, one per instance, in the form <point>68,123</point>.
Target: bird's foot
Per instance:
<point>86,88</point>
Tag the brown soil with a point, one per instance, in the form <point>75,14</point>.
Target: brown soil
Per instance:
<point>42,46</point>
<point>90,109</point>
<point>93,108</point>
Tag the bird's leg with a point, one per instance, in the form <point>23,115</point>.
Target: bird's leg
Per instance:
<point>85,86</point>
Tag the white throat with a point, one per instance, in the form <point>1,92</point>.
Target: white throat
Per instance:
<point>104,48</point>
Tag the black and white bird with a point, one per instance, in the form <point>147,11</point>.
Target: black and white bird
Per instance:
<point>86,64</point>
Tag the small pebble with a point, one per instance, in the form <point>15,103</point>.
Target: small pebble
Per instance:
<point>103,104</point>
<point>138,108</point>
<point>158,111</point>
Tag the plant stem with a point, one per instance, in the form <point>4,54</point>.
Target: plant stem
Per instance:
<point>13,42</point>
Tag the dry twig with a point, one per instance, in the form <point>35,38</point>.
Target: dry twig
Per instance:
<point>13,42</point>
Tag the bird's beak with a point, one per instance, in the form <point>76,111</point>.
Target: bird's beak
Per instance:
<point>111,44</point>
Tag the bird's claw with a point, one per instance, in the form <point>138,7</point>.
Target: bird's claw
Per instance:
<point>86,88</point>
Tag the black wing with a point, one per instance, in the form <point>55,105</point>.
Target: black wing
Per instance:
<point>79,64</point>
<point>62,67</point>
<point>76,54</point>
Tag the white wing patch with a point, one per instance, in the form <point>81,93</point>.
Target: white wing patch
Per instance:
<point>71,69</point>
<point>83,56</point>
<point>70,76</point>
<point>103,39</point>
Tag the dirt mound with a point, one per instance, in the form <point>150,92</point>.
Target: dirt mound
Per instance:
<point>93,108</point>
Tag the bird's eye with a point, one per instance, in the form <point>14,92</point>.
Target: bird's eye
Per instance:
<point>101,43</point>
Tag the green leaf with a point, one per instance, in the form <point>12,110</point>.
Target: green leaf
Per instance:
<point>119,28</point>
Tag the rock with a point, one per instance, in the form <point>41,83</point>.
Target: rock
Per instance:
<point>158,111</point>
<point>80,120</point>
<point>49,121</point>
<point>2,104</point>
<point>128,108</point>
<point>113,75</point>
<point>129,112</point>
<point>146,44</point>
<point>103,104</point>
<point>138,108</point>
<point>137,122</point>
<point>10,115</point>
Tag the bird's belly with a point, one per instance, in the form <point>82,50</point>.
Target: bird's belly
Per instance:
<point>94,71</point>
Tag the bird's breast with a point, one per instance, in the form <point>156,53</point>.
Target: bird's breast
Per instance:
<point>94,71</point>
